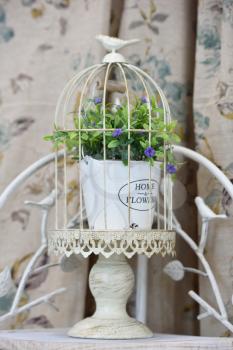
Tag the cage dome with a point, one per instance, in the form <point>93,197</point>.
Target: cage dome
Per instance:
<point>112,121</point>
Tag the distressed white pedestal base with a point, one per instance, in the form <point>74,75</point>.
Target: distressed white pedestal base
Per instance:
<point>110,329</point>
<point>111,282</point>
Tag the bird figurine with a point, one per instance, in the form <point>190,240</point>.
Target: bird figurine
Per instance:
<point>205,212</point>
<point>45,203</point>
<point>113,44</point>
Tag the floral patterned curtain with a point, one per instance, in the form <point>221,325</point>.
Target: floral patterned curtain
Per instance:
<point>213,120</point>
<point>187,47</point>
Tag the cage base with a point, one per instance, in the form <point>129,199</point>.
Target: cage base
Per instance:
<point>92,327</point>
<point>111,283</point>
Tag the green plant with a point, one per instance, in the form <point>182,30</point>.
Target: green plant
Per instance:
<point>117,137</point>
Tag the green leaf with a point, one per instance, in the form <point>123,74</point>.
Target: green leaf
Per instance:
<point>84,136</point>
<point>143,144</point>
<point>48,137</point>
<point>60,133</point>
<point>113,143</point>
<point>154,140</point>
<point>96,134</point>
<point>72,135</point>
<point>165,137</point>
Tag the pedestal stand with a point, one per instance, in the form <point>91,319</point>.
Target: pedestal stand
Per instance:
<point>111,282</point>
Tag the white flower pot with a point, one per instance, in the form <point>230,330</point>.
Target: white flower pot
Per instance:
<point>111,211</point>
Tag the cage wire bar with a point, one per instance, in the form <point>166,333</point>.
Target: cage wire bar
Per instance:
<point>164,227</point>
<point>104,139</point>
<point>129,157</point>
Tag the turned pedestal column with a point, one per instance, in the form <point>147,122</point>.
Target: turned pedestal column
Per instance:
<point>111,282</point>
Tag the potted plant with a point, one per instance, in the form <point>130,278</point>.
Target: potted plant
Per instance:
<point>119,193</point>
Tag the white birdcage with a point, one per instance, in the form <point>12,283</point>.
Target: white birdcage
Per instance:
<point>104,116</point>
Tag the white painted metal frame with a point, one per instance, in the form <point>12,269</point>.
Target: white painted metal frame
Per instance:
<point>141,289</point>
<point>207,215</point>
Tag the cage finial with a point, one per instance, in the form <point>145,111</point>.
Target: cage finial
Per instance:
<point>113,44</point>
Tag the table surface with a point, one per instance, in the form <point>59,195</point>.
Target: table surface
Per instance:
<point>56,339</point>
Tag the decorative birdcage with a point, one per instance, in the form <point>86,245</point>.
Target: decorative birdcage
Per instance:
<point>113,124</point>
<point>122,192</point>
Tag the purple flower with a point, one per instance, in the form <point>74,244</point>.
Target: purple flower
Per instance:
<point>97,100</point>
<point>149,152</point>
<point>171,168</point>
<point>144,99</point>
<point>117,132</point>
